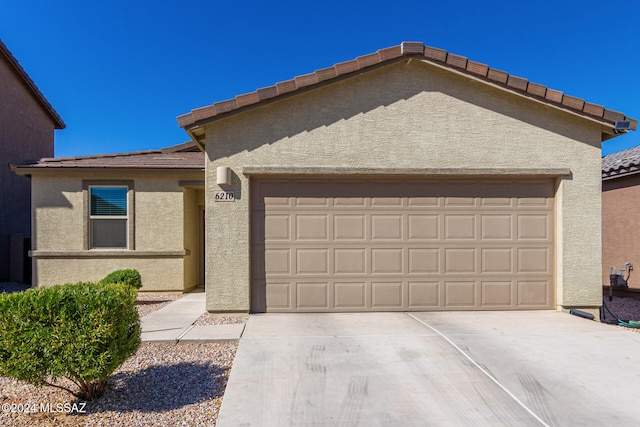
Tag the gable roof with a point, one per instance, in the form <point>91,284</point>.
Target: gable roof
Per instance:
<point>22,75</point>
<point>177,157</point>
<point>622,163</point>
<point>193,121</point>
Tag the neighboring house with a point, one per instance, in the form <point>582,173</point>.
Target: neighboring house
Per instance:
<point>621,213</point>
<point>96,214</point>
<point>407,179</point>
<point>27,122</point>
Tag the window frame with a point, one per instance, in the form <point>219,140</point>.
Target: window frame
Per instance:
<point>87,185</point>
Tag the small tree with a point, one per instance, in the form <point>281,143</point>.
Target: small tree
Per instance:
<point>82,332</point>
<point>128,277</point>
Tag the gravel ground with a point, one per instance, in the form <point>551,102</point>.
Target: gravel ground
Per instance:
<point>161,385</point>
<point>623,308</point>
<point>206,319</point>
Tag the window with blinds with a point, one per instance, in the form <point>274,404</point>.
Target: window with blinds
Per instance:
<point>108,217</point>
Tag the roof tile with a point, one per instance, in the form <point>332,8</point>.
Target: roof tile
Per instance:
<point>573,102</point>
<point>593,109</point>
<point>326,74</point>
<point>536,89</point>
<point>390,53</point>
<point>247,99</point>
<point>412,48</point>
<point>267,92</point>
<point>517,83</point>
<point>347,67</point>
<point>457,61</point>
<point>554,96</point>
<point>306,80</point>
<point>613,116</point>
<point>285,87</point>
<point>435,54</point>
<point>368,60</point>
<point>477,68</point>
<point>225,106</point>
<point>497,76</point>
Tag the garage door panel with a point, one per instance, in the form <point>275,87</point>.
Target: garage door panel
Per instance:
<point>498,294</point>
<point>386,227</point>
<point>406,245</point>
<point>534,227</point>
<point>349,227</point>
<point>460,260</point>
<point>350,295</point>
<point>277,227</point>
<point>496,227</point>
<point>460,227</point>
<point>497,260</point>
<point>534,260</point>
<point>424,260</point>
<point>533,293</point>
<point>312,261</point>
<point>387,295</point>
<point>312,227</point>
<point>423,227</point>
<point>386,261</point>
<point>460,294</point>
<point>312,295</point>
<point>424,295</point>
<point>350,261</point>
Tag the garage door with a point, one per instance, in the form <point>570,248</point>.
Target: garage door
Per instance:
<point>341,245</point>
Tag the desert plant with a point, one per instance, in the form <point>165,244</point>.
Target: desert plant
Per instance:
<point>128,277</point>
<point>82,332</point>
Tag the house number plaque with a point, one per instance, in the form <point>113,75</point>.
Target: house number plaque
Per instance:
<point>224,196</point>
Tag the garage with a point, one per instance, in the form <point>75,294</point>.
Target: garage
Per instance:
<point>349,245</point>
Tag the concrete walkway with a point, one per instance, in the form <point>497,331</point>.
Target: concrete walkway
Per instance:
<point>175,323</point>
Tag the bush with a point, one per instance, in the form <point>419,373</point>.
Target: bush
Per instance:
<point>127,277</point>
<point>82,332</point>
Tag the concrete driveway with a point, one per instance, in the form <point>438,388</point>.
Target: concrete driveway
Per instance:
<point>433,369</point>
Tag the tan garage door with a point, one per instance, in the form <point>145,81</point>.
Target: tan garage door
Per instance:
<point>403,245</point>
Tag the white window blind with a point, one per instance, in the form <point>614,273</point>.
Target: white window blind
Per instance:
<point>108,217</point>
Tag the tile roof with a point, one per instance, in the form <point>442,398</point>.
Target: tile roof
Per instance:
<point>30,85</point>
<point>392,54</point>
<point>622,163</point>
<point>181,156</point>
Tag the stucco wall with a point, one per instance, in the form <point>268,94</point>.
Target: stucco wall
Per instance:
<point>26,133</point>
<point>60,235</point>
<point>407,116</point>
<point>621,226</point>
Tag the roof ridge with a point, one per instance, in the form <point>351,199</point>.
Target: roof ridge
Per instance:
<point>394,53</point>
<point>31,86</point>
<point>98,156</point>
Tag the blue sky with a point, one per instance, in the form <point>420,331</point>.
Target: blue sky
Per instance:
<point>119,72</point>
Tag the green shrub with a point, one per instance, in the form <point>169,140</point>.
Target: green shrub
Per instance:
<point>128,277</point>
<point>82,332</point>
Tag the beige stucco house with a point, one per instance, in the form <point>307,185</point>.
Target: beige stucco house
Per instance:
<point>95,214</point>
<point>405,180</point>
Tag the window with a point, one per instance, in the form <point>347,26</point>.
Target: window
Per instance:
<point>108,217</point>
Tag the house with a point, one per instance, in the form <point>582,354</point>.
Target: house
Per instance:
<point>409,179</point>
<point>96,214</point>
<point>27,124</point>
<point>621,213</point>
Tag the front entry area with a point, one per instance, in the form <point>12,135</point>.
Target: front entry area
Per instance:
<point>346,245</point>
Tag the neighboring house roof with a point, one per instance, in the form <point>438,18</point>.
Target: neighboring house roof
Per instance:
<point>183,156</point>
<point>622,163</point>
<point>22,75</point>
<point>193,121</point>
